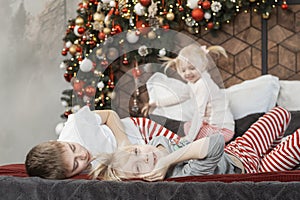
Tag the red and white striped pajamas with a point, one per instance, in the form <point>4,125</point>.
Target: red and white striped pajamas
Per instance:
<point>150,129</point>
<point>260,149</point>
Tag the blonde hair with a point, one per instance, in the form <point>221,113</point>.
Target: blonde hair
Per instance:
<point>110,163</point>
<point>45,161</point>
<point>195,55</point>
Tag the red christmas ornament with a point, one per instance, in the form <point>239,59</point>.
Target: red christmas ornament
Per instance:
<point>78,85</point>
<point>136,72</point>
<point>78,49</point>
<point>92,43</point>
<point>104,63</point>
<point>210,25</point>
<point>166,27</point>
<point>67,113</point>
<point>125,62</point>
<point>142,27</point>
<point>197,14</point>
<point>206,4</point>
<point>284,5</point>
<point>90,91</point>
<point>145,2</point>
<point>81,30</point>
<point>64,52</point>
<point>68,77</point>
<point>181,8</point>
<point>101,35</point>
<point>118,28</point>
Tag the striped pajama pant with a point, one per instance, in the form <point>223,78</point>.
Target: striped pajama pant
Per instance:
<point>260,148</point>
<point>207,130</point>
<point>150,129</point>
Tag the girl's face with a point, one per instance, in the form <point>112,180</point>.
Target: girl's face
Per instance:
<point>76,157</point>
<point>141,160</point>
<point>188,72</point>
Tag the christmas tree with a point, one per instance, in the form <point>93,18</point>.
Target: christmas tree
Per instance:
<point>109,35</point>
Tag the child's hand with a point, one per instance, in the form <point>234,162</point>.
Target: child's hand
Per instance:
<point>159,172</point>
<point>148,108</point>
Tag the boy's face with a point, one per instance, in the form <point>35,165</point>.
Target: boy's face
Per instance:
<point>76,157</point>
<point>141,160</point>
<point>188,72</point>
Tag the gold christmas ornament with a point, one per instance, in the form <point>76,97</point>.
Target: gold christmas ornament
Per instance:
<point>99,52</point>
<point>98,17</point>
<point>252,1</point>
<point>151,35</point>
<point>170,16</point>
<point>106,31</point>
<point>79,21</point>
<point>72,49</point>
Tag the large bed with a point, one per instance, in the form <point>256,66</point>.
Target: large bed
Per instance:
<point>15,184</point>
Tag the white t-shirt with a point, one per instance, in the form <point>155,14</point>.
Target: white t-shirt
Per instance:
<point>85,127</point>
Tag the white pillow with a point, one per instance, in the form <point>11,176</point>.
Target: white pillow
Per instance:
<point>253,96</point>
<point>289,95</point>
<point>160,87</point>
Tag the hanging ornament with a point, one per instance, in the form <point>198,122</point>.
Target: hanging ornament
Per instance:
<point>78,85</point>
<point>86,65</point>
<point>125,60</point>
<point>162,52</point>
<point>99,53</point>
<point>139,9</point>
<point>76,31</point>
<point>207,15</point>
<point>64,52</point>
<point>72,49</point>
<point>101,35</point>
<point>143,51</point>
<point>112,53</point>
<point>284,5</point>
<point>197,14</point>
<point>68,76</point>
<point>151,35</point>
<point>79,21</point>
<point>99,17</point>
<point>100,85</point>
<point>132,37</point>
<point>142,27</point>
<point>106,31</point>
<point>206,4</point>
<point>136,71</point>
<point>68,44</point>
<point>112,4</point>
<point>210,25</point>
<point>192,4</point>
<point>67,113</point>
<point>170,16</point>
<point>145,2</point>
<point>118,28</point>
<point>90,91</point>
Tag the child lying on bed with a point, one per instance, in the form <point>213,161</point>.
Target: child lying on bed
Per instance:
<point>85,135</point>
<point>250,153</point>
<point>212,114</point>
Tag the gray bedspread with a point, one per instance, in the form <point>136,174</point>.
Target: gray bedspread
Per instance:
<point>12,188</point>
